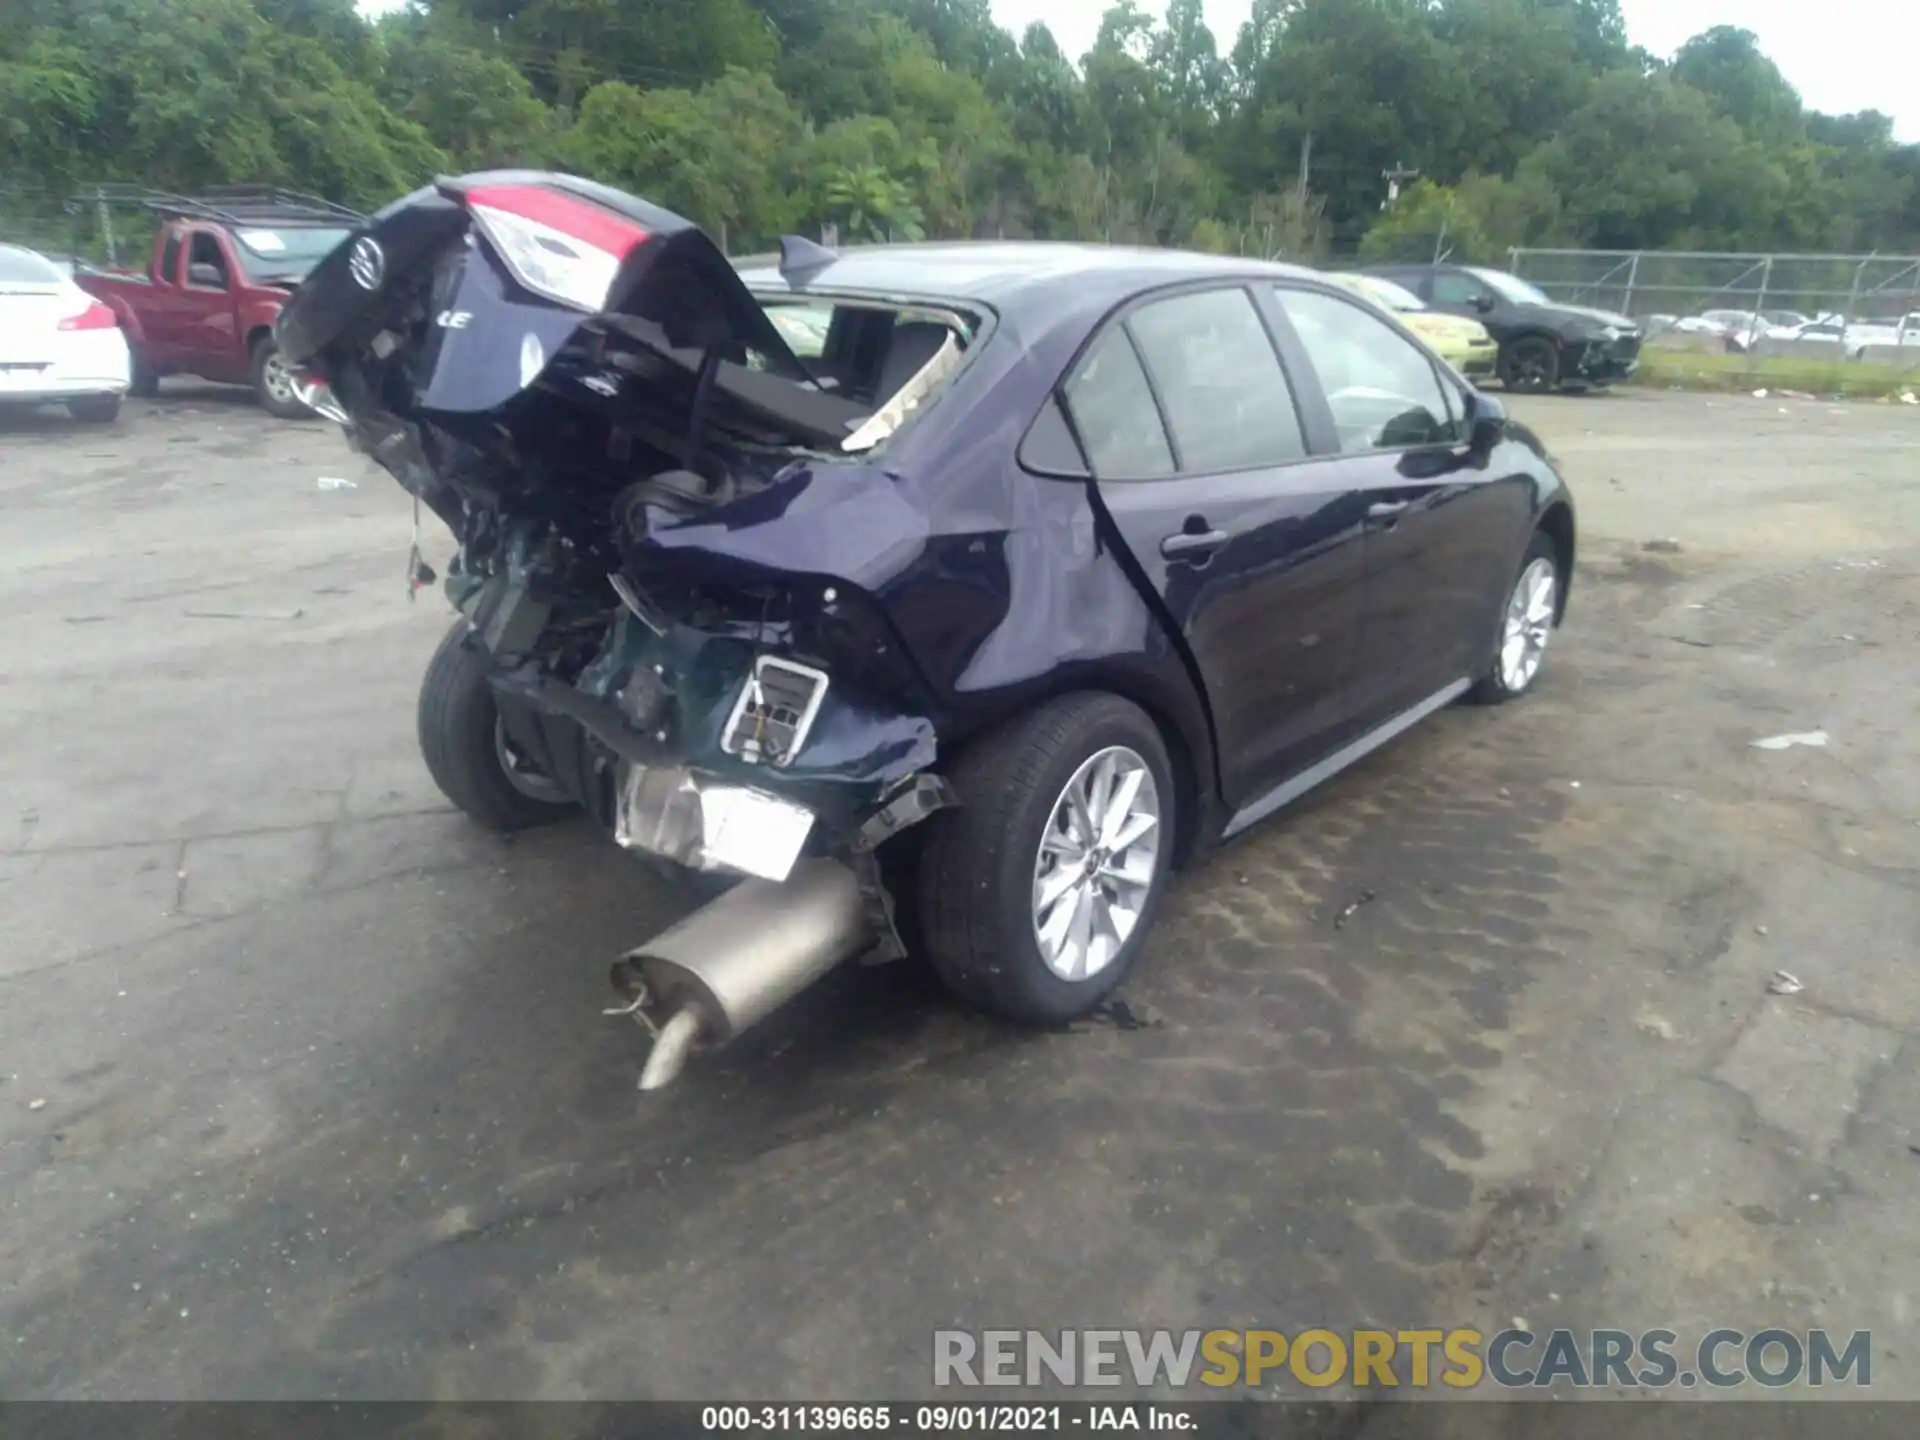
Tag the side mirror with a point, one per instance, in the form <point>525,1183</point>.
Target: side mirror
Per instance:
<point>1484,303</point>
<point>1486,424</point>
<point>207,275</point>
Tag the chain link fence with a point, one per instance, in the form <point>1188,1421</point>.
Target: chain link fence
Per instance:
<point>1650,283</point>
<point>1852,307</point>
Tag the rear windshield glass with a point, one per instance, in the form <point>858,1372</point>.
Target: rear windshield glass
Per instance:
<point>23,267</point>
<point>288,252</point>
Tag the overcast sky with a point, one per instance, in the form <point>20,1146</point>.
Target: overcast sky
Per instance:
<point>1842,55</point>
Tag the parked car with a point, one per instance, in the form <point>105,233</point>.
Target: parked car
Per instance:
<point>1886,330</point>
<point>1462,343</point>
<point>58,345</point>
<point>1544,345</point>
<point>1056,566</point>
<point>1852,337</point>
<point>222,266</point>
<point>1739,329</point>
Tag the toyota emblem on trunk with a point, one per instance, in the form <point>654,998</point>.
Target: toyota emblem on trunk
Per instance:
<point>367,263</point>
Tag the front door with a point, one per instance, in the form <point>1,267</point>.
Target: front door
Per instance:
<point>1253,545</point>
<point>1442,524</point>
<point>166,316</point>
<point>213,346</point>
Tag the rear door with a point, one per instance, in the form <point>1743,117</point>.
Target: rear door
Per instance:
<point>1253,543</point>
<point>1443,527</point>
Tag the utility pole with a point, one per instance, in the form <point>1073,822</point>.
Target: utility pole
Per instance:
<point>1306,162</point>
<point>1393,178</point>
<point>106,225</point>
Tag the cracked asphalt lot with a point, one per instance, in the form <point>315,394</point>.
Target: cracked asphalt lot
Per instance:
<point>304,1088</point>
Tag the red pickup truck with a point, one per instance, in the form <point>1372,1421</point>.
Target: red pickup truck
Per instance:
<point>222,266</point>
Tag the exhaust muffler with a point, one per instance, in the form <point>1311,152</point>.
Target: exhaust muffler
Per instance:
<point>738,958</point>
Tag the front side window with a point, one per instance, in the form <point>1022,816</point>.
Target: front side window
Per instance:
<point>1450,287</point>
<point>1218,375</point>
<point>1513,288</point>
<point>206,266</point>
<point>1382,389</point>
<point>1114,411</point>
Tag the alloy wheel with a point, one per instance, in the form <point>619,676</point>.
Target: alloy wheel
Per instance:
<point>1528,625</point>
<point>1532,368</point>
<point>278,379</point>
<point>1098,857</point>
<point>520,773</point>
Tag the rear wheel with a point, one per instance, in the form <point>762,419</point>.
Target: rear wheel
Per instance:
<point>273,382</point>
<point>1531,365</point>
<point>467,750</point>
<point>95,409</point>
<point>1037,892</point>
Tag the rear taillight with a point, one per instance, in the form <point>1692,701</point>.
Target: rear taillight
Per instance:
<point>312,390</point>
<point>95,317</point>
<point>566,249</point>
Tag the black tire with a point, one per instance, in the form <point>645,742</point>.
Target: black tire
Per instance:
<point>459,738</point>
<point>264,373</point>
<point>1493,687</point>
<point>1531,365</point>
<point>95,409</point>
<point>145,380</point>
<point>976,872</point>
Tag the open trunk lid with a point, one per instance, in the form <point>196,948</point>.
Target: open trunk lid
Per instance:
<point>528,277</point>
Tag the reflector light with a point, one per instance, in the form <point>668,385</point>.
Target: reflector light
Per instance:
<point>564,248</point>
<point>95,317</point>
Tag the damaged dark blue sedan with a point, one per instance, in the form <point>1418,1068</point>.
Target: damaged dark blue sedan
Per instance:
<point>953,595</point>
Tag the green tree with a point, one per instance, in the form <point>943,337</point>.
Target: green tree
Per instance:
<point>1428,222</point>
<point>725,155</point>
<point>1725,65</point>
<point>871,205</point>
<point>470,101</point>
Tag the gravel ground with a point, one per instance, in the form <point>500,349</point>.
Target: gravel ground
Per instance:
<point>304,1089</point>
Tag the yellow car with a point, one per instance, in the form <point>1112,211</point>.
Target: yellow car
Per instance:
<point>1462,343</point>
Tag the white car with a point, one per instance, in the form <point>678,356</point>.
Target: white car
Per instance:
<point>1853,337</point>
<point>58,345</point>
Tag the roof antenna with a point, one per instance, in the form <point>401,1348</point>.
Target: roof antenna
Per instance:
<point>801,259</point>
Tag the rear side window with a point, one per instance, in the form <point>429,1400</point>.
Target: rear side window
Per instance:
<point>23,267</point>
<point>803,327</point>
<point>1219,378</point>
<point>1049,448</point>
<point>170,258</point>
<point>1383,390</point>
<point>1114,411</point>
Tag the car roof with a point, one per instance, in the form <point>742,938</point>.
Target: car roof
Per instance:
<point>992,271</point>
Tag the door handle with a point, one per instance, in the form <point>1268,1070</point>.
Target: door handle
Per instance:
<point>1387,512</point>
<point>1192,542</point>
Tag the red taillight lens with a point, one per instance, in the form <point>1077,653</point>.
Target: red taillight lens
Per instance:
<point>556,245</point>
<point>95,317</point>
